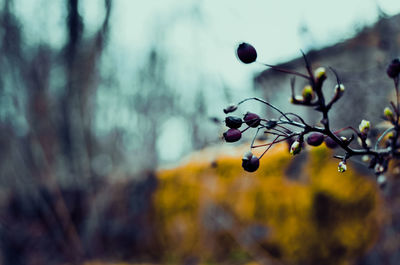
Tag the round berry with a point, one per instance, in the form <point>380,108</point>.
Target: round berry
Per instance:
<point>246,53</point>
<point>330,143</point>
<point>393,69</point>
<point>250,165</point>
<point>233,122</point>
<point>252,119</point>
<point>232,135</point>
<point>315,139</point>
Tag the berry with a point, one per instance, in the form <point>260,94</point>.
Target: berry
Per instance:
<point>233,122</point>
<point>252,119</point>
<point>246,53</point>
<point>315,139</point>
<point>271,124</point>
<point>232,135</point>
<point>330,143</point>
<point>393,69</point>
<point>250,164</point>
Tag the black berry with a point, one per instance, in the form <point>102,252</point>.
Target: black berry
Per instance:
<point>246,53</point>
<point>250,165</point>
<point>393,69</point>
<point>233,122</point>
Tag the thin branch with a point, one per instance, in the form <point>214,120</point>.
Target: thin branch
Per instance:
<point>276,68</point>
<point>266,103</point>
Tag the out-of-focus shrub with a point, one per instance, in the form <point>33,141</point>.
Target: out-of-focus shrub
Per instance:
<point>216,211</point>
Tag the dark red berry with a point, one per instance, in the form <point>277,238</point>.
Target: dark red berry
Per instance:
<point>250,165</point>
<point>330,143</point>
<point>233,122</point>
<point>393,69</point>
<point>252,119</point>
<point>232,135</point>
<point>315,139</point>
<point>246,53</point>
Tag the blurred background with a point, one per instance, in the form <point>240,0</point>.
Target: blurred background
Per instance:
<point>101,99</point>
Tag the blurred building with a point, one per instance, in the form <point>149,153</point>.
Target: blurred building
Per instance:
<point>361,65</point>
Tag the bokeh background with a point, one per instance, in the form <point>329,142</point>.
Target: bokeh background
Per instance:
<point>111,122</point>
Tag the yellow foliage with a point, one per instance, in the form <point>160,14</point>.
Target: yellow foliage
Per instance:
<point>204,209</point>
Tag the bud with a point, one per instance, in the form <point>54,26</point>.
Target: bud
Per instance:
<point>232,135</point>
<point>250,164</point>
<point>388,114</point>
<point>364,126</point>
<point>308,93</point>
<point>381,180</point>
<point>342,167</point>
<point>315,139</point>
<point>247,156</point>
<point>252,119</point>
<point>379,169</point>
<point>230,108</point>
<point>365,158</point>
<point>320,74</point>
<point>339,90</point>
<point>233,122</point>
<point>295,148</point>
<point>393,69</point>
<point>246,53</point>
<point>296,99</point>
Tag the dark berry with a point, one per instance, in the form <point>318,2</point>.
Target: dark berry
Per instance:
<point>246,53</point>
<point>330,143</point>
<point>250,165</point>
<point>271,124</point>
<point>315,139</point>
<point>393,69</point>
<point>233,122</point>
<point>232,135</point>
<point>252,119</point>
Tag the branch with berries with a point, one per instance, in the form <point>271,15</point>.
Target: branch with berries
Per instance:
<point>292,128</point>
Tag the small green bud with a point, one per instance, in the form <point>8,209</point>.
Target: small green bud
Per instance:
<point>388,114</point>
<point>364,126</point>
<point>342,167</point>
<point>308,93</point>
<point>320,73</point>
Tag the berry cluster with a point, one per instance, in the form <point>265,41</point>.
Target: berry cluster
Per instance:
<point>292,128</point>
